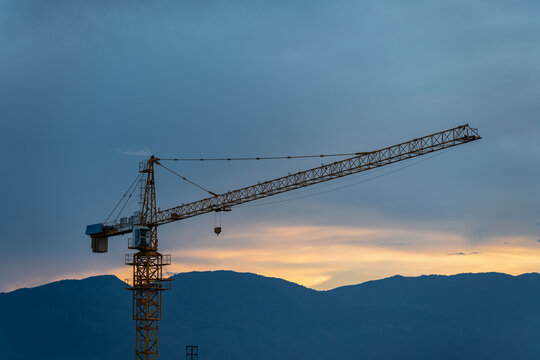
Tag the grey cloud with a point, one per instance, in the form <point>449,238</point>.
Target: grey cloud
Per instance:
<point>143,152</point>
<point>83,78</point>
<point>463,253</point>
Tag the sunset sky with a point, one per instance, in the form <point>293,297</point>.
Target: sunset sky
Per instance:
<point>89,89</point>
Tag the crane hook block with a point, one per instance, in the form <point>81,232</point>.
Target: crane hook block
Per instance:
<point>217,230</point>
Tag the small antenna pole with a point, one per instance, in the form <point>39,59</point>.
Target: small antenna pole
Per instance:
<point>192,352</point>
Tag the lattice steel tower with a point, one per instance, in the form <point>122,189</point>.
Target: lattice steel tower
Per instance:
<point>147,263</point>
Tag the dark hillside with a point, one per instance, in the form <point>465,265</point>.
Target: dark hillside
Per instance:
<point>246,316</point>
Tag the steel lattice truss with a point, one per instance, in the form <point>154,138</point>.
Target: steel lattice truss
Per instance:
<point>365,161</point>
<point>148,283</point>
<point>362,162</point>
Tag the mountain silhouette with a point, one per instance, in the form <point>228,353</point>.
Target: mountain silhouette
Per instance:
<point>244,316</point>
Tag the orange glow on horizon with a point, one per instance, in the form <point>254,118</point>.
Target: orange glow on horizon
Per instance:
<point>325,257</point>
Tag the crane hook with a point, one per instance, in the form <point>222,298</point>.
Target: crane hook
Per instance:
<point>217,223</point>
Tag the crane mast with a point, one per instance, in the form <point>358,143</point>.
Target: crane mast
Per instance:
<point>147,263</point>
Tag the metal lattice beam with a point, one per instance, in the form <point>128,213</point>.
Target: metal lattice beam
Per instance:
<point>407,150</point>
<point>364,161</point>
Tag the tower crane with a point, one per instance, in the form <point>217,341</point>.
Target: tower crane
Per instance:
<point>147,263</point>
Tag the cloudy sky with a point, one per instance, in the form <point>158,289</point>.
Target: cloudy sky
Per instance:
<point>90,88</point>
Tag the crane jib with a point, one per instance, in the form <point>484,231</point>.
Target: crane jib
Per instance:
<point>365,161</point>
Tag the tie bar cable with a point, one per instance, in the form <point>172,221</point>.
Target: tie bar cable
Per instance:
<point>264,157</point>
<point>185,179</point>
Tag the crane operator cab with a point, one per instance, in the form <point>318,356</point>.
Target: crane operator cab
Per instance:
<point>141,236</point>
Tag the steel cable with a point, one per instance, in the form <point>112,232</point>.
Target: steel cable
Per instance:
<point>122,198</point>
<point>264,157</point>
<point>189,181</point>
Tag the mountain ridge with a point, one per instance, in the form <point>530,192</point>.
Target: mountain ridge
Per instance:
<point>277,278</point>
<point>248,316</point>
